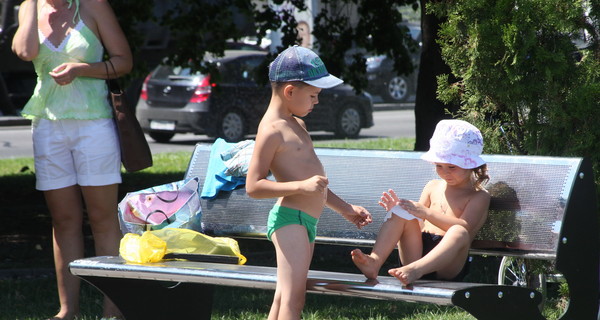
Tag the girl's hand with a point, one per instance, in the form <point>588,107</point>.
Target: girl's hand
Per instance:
<point>64,73</point>
<point>314,185</point>
<point>389,200</point>
<point>416,209</point>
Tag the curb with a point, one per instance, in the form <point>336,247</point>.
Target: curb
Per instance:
<point>11,121</point>
<point>6,121</point>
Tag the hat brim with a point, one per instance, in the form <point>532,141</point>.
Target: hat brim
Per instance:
<point>472,162</point>
<point>326,82</point>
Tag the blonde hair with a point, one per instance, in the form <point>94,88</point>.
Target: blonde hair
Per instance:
<point>481,176</point>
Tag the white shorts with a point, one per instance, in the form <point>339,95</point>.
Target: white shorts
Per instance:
<point>70,152</point>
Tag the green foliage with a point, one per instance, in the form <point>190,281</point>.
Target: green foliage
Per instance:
<point>521,78</point>
<point>377,31</point>
<point>202,27</point>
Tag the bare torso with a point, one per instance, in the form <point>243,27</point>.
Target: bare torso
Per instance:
<point>297,152</point>
<point>448,201</point>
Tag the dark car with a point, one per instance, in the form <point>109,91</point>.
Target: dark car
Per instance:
<point>177,100</point>
<point>385,82</point>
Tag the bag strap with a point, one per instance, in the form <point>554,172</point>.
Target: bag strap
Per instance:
<point>113,68</point>
<point>168,200</point>
<point>113,84</point>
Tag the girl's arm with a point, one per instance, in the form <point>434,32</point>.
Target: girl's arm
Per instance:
<point>472,218</point>
<point>26,42</point>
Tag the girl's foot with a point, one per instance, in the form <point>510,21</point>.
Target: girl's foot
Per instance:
<point>406,274</point>
<point>365,263</point>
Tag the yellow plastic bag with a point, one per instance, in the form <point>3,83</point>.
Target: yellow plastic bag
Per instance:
<point>193,242</point>
<point>142,249</point>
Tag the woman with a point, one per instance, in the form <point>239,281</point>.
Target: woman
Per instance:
<point>75,144</point>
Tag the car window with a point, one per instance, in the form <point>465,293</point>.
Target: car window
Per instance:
<point>164,72</point>
<point>242,70</point>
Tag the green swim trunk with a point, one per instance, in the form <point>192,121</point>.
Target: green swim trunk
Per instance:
<point>281,216</point>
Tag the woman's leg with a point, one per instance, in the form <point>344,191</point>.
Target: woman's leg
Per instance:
<point>406,234</point>
<point>101,203</point>
<point>447,258</point>
<point>67,219</point>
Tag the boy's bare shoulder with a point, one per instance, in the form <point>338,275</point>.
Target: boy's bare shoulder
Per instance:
<point>271,125</point>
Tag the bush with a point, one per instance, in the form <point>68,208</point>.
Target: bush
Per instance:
<point>522,79</point>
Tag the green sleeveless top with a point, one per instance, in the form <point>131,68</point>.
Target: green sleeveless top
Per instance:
<point>84,98</point>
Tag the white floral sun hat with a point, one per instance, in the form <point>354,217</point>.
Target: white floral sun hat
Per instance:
<point>456,142</point>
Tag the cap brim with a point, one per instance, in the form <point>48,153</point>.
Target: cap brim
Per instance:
<point>326,82</point>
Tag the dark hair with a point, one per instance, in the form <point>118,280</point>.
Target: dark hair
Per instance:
<point>481,176</point>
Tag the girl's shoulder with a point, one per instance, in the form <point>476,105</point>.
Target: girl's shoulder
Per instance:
<point>434,186</point>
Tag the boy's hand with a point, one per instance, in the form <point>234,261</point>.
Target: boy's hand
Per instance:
<point>314,185</point>
<point>358,216</point>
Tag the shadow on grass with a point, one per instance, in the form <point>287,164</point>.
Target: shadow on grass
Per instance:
<point>26,228</point>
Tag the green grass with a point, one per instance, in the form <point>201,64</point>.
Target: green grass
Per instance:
<point>25,242</point>
<point>34,299</point>
<point>379,144</point>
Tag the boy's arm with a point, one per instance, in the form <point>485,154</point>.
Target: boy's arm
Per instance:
<point>355,214</point>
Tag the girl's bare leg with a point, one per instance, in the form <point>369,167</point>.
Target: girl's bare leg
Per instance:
<point>294,254</point>
<point>67,219</point>
<point>447,258</point>
<point>395,231</point>
<point>101,203</point>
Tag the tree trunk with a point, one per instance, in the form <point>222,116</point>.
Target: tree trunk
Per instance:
<point>428,109</point>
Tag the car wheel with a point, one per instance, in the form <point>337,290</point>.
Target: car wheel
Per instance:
<point>396,89</point>
<point>232,126</point>
<point>348,123</point>
<point>161,137</point>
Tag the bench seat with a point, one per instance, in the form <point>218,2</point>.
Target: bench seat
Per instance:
<point>467,295</point>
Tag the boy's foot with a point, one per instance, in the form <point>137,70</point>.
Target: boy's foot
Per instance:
<point>406,274</point>
<point>57,317</point>
<point>365,263</point>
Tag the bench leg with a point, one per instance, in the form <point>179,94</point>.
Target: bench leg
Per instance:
<point>149,299</point>
<point>500,302</point>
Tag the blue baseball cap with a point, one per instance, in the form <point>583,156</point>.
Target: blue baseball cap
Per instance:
<point>301,64</point>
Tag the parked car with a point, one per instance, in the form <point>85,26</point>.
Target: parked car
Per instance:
<point>174,99</point>
<point>385,82</point>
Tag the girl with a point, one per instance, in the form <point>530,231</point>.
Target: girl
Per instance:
<point>434,234</point>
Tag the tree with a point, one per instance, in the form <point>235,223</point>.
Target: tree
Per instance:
<point>429,110</point>
<point>520,75</point>
<point>203,26</point>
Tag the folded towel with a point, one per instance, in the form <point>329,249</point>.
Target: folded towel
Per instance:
<point>237,159</point>
<point>216,179</point>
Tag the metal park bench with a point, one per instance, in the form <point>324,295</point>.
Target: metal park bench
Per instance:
<point>542,208</point>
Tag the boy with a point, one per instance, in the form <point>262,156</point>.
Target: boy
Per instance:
<point>283,147</point>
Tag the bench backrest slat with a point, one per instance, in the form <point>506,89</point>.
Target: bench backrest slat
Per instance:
<point>529,196</point>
